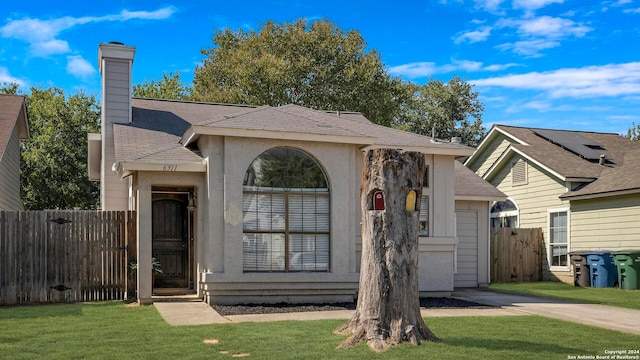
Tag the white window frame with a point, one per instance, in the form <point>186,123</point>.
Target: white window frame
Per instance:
<point>504,214</point>
<point>549,244</point>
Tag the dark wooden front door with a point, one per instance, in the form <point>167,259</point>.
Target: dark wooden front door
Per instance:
<point>170,239</point>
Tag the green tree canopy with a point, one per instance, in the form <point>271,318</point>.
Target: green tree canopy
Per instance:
<point>53,169</point>
<point>317,66</point>
<point>169,87</point>
<point>634,132</point>
<point>452,109</point>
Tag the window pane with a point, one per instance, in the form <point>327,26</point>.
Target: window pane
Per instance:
<point>559,255</point>
<point>263,252</point>
<point>286,168</point>
<point>309,213</point>
<point>309,252</point>
<point>424,216</point>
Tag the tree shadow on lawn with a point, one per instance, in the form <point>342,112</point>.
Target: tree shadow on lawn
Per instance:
<point>39,310</point>
<point>510,345</point>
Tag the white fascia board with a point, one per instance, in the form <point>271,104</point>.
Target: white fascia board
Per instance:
<point>498,164</point>
<point>126,168</point>
<point>480,198</point>
<point>269,134</point>
<point>189,136</point>
<point>599,195</point>
<point>487,139</point>
<point>425,149</point>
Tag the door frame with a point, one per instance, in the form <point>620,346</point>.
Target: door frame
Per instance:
<point>191,229</point>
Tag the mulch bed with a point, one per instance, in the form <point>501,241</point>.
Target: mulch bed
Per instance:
<point>244,309</point>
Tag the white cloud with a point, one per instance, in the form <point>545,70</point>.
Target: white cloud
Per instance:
<point>529,48</point>
<point>42,35</point>
<point>79,66</point>
<point>481,34</point>
<point>551,27</point>
<point>424,69</point>
<point>534,4</point>
<point>540,33</point>
<point>414,70</point>
<point>632,11</point>
<point>5,77</point>
<point>50,47</point>
<point>587,82</point>
<point>489,5</point>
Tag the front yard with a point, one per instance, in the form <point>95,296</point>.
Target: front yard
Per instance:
<point>109,330</point>
<point>604,296</point>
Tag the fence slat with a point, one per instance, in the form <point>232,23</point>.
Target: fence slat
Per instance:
<point>83,251</point>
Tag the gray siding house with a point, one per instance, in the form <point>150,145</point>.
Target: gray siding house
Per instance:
<point>260,204</point>
<point>13,128</point>
<point>582,188</point>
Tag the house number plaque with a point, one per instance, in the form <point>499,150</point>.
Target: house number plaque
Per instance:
<point>170,168</point>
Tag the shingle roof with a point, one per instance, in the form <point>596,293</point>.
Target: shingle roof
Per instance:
<point>158,125</point>
<point>10,108</point>
<point>620,172</point>
<point>469,184</point>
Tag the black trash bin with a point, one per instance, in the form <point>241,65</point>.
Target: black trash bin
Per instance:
<point>581,274</point>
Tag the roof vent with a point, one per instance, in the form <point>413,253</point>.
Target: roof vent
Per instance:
<point>603,159</point>
<point>456,140</point>
<point>116,43</point>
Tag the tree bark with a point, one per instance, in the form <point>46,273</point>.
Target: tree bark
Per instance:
<point>388,309</point>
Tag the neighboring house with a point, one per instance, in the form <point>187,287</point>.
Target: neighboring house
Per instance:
<point>582,188</point>
<point>13,128</point>
<point>262,204</point>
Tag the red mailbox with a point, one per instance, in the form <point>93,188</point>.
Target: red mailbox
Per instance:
<point>378,200</point>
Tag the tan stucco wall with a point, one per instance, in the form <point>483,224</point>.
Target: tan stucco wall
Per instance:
<point>222,277</point>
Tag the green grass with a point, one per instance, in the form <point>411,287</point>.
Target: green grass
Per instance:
<point>112,331</point>
<point>605,296</point>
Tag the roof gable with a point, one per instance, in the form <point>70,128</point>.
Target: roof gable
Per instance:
<point>13,115</point>
<point>568,155</point>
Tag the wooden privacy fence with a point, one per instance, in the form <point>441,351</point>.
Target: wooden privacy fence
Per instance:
<point>64,256</point>
<point>516,255</point>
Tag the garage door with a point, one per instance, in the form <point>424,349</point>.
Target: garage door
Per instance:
<point>467,228</point>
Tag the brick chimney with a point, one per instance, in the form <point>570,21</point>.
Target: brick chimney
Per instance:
<point>116,61</point>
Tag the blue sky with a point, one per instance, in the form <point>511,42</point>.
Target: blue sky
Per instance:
<point>564,64</point>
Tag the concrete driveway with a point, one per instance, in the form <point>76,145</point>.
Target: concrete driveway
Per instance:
<point>608,317</point>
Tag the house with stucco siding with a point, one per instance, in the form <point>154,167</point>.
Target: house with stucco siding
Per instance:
<point>13,128</point>
<point>582,188</point>
<point>260,204</point>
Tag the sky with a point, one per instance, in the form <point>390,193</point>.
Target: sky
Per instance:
<point>559,64</point>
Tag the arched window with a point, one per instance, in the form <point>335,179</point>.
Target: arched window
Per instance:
<point>286,213</point>
<point>505,214</point>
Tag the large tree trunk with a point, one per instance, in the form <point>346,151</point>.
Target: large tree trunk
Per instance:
<point>388,310</point>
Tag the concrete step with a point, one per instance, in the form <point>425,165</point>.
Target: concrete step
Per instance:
<point>175,295</point>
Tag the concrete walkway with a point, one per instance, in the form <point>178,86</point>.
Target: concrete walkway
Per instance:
<point>614,318</point>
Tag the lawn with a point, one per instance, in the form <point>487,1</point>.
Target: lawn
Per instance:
<point>109,330</point>
<point>605,296</point>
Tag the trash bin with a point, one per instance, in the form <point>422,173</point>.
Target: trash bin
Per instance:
<point>581,273</point>
<point>628,262</point>
<point>602,269</point>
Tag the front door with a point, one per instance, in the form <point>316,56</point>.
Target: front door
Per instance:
<point>170,245</point>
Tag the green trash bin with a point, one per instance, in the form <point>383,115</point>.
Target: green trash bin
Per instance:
<point>628,263</point>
